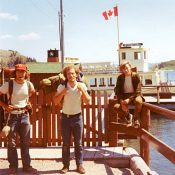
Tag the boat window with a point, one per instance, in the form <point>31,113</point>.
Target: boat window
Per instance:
<point>137,55</point>
<point>102,82</point>
<point>123,55</point>
<point>111,81</point>
<point>148,81</point>
<point>93,82</point>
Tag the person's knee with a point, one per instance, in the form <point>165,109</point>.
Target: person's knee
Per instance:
<point>116,106</point>
<point>138,100</point>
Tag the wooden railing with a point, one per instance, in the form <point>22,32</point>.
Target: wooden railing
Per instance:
<point>146,138</point>
<point>45,121</point>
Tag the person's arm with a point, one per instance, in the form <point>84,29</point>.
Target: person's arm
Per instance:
<point>85,96</point>
<point>31,89</point>
<point>5,106</point>
<point>59,96</point>
<point>4,90</point>
<point>119,88</point>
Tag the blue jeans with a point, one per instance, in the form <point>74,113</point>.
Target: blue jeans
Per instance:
<point>72,125</point>
<point>19,124</point>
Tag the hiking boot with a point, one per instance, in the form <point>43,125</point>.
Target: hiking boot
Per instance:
<point>30,170</point>
<point>64,170</point>
<point>12,171</point>
<point>136,124</point>
<point>81,169</point>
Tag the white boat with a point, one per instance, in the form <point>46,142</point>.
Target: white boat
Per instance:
<point>103,75</point>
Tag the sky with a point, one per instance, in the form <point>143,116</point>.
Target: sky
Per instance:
<point>31,27</point>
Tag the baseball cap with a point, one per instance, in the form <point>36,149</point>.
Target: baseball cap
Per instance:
<point>21,67</point>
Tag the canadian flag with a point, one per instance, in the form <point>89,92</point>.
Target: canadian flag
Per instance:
<point>110,13</point>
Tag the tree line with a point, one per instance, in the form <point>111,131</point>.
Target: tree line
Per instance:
<point>10,58</point>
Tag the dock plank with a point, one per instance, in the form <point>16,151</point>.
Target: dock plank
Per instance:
<point>104,160</point>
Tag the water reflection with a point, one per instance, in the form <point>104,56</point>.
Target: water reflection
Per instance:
<point>163,129</point>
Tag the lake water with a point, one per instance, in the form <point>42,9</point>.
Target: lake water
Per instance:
<point>168,76</point>
<point>163,129</point>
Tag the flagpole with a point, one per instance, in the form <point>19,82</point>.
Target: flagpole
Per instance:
<point>62,34</point>
<point>118,36</point>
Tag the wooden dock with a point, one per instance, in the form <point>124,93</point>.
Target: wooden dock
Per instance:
<point>97,160</point>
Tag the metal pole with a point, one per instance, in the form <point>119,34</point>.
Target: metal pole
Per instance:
<point>62,34</point>
<point>118,37</point>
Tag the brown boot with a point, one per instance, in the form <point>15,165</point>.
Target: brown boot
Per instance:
<point>64,170</point>
<point>30,170</point>
<point>12,171</point>
<point>81,169</point>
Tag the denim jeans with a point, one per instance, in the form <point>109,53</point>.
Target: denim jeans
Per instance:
<point>19,124</point>
<point>72,125</point>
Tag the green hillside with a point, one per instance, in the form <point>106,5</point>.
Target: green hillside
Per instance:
<point>168,65</point>
<point>8,58</point>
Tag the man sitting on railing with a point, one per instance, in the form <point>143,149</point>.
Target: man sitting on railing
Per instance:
<point>128,91</point>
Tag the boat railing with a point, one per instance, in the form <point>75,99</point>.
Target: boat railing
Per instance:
<point>146,138</point>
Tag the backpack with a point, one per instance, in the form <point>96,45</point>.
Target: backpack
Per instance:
<point>49,85</point>
<point>8,101</point>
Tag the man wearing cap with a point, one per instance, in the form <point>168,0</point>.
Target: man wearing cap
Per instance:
<point>18,121</point>
<point>128,91</point>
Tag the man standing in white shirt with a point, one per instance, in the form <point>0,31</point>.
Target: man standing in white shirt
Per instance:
<point>18,120</point>
<point>72,93</point>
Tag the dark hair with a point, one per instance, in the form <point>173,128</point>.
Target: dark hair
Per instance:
<point>66,69</point>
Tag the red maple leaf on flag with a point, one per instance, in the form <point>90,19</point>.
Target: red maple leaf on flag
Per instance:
<point>109,13</point>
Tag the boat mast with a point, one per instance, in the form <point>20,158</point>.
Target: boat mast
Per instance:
<point>61,30</point>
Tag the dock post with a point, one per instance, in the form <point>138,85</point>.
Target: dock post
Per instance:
<point>158,95</point>
<point>144,146</point>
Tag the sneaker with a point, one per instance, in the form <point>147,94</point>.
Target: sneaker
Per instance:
<point>12,171</point>
<point>81,169</point>
<point>136,124</point>
<point>64,170</point>
<point>30,169</point>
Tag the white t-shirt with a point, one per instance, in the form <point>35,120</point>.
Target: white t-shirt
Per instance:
<point>128,86</point>
<point>72,100</point>
<point>20,93</point>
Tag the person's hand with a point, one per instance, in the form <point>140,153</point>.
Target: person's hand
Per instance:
<point>126,101</point>
<point>9,108</point>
